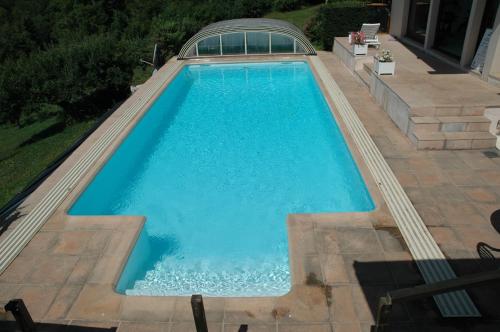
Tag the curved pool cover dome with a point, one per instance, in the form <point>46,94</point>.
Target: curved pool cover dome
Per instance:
<point>247,36</point>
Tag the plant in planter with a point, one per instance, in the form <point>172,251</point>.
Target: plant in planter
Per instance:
<point>357,39</point>
<point>384,63</point>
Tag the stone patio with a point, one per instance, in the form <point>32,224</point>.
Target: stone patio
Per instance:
<point>341,263</point>
<point>435,104</point>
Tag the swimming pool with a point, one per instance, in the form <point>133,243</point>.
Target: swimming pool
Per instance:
<point>215,165</point>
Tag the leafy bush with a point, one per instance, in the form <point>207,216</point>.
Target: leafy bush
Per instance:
<point>339,18</point>
<point>82,79</point>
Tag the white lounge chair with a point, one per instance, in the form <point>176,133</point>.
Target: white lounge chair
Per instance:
<point>370,31</point>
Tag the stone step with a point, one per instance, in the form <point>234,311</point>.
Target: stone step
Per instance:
<point>363,77</point>
<point>448,110</point>
<point>466,123</point>
<point>368,67</point>
<point>452,140</point>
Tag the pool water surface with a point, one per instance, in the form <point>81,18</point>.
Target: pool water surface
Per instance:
<point>217,163</point>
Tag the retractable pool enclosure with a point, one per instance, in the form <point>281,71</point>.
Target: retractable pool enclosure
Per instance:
<point>248,36</point>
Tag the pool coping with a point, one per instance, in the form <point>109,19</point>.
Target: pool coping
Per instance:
<point>60,220</point>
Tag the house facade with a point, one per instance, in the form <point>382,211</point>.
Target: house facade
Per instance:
<point>465,33</point>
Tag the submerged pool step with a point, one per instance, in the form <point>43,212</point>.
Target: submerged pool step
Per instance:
<point>15,241</point>
<point>430,260</point>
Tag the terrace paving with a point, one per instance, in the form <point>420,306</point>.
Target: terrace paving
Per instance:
<point>341,263</point>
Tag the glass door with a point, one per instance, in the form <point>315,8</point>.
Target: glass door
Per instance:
<point>452,23</point>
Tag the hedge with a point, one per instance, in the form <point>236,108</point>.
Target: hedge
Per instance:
<point>339,18</point>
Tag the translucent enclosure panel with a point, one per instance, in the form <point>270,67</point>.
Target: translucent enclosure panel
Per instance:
<point>299,48</point>
<point>209,46</point>
<point>191,52</point>
<point>281,44</point>
<point>257,42</point>
<point>233,43</point>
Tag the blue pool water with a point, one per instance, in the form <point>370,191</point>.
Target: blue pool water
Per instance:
<point>216,164</point>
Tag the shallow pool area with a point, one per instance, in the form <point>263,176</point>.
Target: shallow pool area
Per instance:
<point>225,153</point>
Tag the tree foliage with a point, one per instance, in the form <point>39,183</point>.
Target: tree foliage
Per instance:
<point>78,57</point>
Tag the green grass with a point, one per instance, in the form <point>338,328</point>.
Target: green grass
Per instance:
<point>27,151</point>
<point>298,17</point>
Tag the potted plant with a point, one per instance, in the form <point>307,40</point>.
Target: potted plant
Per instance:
<point>384,63</point>
<point>358,43</point>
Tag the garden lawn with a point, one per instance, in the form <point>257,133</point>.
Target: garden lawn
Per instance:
<point>298,17</point>
<point>26,151</point>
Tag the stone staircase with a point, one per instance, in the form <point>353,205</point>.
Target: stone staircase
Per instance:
<point>443,127</point>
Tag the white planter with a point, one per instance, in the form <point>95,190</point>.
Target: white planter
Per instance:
<point>384,68</point>
<point>360,49</point>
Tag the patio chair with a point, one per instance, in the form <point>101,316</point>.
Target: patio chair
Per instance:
<point>370,31</point>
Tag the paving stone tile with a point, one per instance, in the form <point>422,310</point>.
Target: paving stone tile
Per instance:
<point>347,327</point>
<point>82,270</point>
<point>353,240</point>
<point>368,268</point>
<point>403,269</point>
<point>327,241</point>
<point>490,177</point>
<point>249,310</point>
<point>84,325</point>
<point>481,194</point>
<point>63,302</point>
<point>18,270</point>
<point>8,291</point>
<point>391,239</point>
<point>106,271</point>
<point>251,328</point>
<point>430,214</point>
<point>334,269</point>
<point>37,299</point>
<point>304,304</point>
<point>147,308</point>
<point>465,178</point>
<point>41,243</point>
<point>462,213</point>
<point>72,243</point>
<point>308,327</point>
<point>144,327</point>
<point>52,269</point>
<point>471,235</point>
<point>446,238</point>
<point>214,309</point>
<point>450,162</point>
<point>92,305</point>
<point>342,308</point>
<point>366,300</point>
<point>476,160</point>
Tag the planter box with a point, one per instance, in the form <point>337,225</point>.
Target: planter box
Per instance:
<point>384,68</point>
<point>360,49</point>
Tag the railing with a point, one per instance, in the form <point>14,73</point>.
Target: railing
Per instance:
<point>407,294</point>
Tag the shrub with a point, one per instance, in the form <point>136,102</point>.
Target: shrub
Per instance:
<point>339,18</point>
<point>83,79</point>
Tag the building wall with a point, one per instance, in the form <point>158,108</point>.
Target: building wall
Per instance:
<point>399,19</point>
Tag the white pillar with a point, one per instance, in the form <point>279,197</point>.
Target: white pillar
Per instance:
<point>399,17</point>
<point>430,33</point>
<point>472,32</point>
